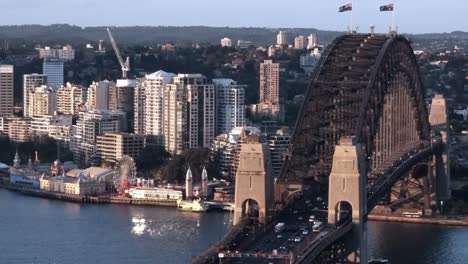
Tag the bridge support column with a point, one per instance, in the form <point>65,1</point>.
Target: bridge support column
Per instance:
<point>347,194</point>
<point>254,183</point>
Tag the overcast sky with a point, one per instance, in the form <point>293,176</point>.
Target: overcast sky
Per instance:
<point>411,16</point>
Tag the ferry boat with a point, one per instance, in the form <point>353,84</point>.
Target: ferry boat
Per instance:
<point>192,205</point>
<point>155,194</point>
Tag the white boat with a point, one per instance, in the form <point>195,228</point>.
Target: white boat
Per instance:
<point>192,205</point>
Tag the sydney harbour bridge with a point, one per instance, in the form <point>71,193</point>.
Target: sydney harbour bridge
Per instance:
<point>363,132</point>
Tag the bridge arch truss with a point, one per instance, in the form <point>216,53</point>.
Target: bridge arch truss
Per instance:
<point>367,86</point>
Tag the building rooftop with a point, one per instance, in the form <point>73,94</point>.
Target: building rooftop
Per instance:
<point>160,74</point>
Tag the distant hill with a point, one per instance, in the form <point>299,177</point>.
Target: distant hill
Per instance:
<point>151,35</point>
<point>179,35</point>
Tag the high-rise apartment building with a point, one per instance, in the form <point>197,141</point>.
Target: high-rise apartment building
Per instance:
<point>6,90</point>
<point>228,146</point>
<point>43,124</point>
<point>98,95</point>
<point>53,68</point>
<point>230,108</point>
<point>154,86</point>
<point>312,41</point>
<point>226,42</point>
<point>282,38</point>
<point>201,103</point>
<point>175,118</point>
<point>121,99</point>
<point>70,99</point>
<point>269,88</point>
<point>42,101</point>
<point>299,42</point>
<point>279,146</point>
<point>111,147</point>
<point>91,124</point>
<point>30,82</point>
<point>139,103</point>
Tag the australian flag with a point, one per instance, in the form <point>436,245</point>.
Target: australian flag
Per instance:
<point>388,7</point>
<point>347,7</point>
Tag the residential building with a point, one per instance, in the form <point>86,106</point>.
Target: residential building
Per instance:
<point>311,41</point>
<point>269,88</point>
<point>139,104</point>
<point>6,90</point>
<point>279,147</point>
<point>91,124</point>
<point>230,108</point>
<point>70,99</point>
<point>226,42</point>
<point>42,101</point>
<point>30,82</point>
<point>153,112</point>
<point>111,147</point>
<point>228,146</point>
<point>53,69</point>
<point>282,38</point>
<point>98,95</point>
<point>299,42</point>
<point>200,108</point>
<point>122,99</point>
<point>175,118</point>
<point>308,62</point>
<point>18,129</point>
<point>42,125</point>
<point>244,44</point>
<point>66,53</point>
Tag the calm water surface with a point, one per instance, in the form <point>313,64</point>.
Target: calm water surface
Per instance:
<point>34,230</point>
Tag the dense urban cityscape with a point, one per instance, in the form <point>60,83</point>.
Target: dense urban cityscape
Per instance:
<point>233,145</point>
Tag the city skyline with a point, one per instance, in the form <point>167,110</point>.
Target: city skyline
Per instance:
<point>307,14</point>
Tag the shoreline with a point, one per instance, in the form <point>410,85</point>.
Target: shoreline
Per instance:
<point>455,221</point>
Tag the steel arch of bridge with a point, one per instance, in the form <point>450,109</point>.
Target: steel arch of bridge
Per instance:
<point>367,86</point>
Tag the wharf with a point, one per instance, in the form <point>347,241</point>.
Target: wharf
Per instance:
<point>448,221</point>
<point>59,196</point>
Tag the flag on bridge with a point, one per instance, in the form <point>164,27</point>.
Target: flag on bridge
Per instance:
<point>347,7</point>
<point>388,7</point>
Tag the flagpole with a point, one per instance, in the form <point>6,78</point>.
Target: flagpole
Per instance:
<point>352,10</point>
<point>393,19</point>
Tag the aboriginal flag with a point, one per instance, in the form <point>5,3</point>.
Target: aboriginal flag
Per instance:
<point>388,7</point>
<point>347,7</point>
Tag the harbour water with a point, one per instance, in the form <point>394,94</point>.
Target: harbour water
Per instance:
<point>36,230</point>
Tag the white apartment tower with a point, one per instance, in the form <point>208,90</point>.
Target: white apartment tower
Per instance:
<point>226,42</point>
<point>299,42</point>
<point>230,109</point>
<point>312,41</point>
<point>42,101</point>
<point>53,68</point>
<point>269,87</point>
<point>30,82</point>
<point>282,38</point>
<point>98,95</point>
<point>6,90</point>
<point>70,99</point>
<point>154,86</point>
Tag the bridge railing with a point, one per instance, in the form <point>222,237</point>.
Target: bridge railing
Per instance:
<point>212,253</point>
<point>311,250</point>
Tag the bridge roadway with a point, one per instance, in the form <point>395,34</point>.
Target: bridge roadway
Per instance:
<point>297,216</point>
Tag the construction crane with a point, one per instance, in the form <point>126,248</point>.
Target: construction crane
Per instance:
<point>125,65</point>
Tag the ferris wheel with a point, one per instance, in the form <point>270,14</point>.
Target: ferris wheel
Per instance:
<point>126,173</point>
